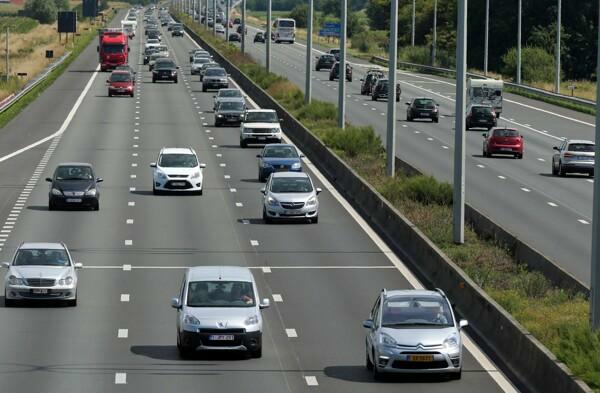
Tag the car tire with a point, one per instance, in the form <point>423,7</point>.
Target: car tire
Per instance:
<point>456,376</point>
<point>520,156</point>
<point>377,375</point>
<point>554,169</point>
<point>51,206</point>
<point>373,98</point>
<point>243,144</point>
<point>185,352</point>
<point>330,78</point>
<point>96,206</point>
<point>131,95</point>
<point>257,353</point>
<point>591,173</point>
<point>561,171</point>
<point>436,120</point>
<point>9,302</point>
<point>110,94</point>
<point>72,303</point>
<point>265,217</point>
<point>203,89</point>
<point>409,118</point>
<point>153,80</point>
<point>368,362</point>
<point>261,178</point>
<point>314,220</point>
<point>176,80</point>
<point>317,69</point>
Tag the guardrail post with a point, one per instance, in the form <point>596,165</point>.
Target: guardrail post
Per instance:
<point>342,69</point>
<point>226,20</point>
<point>309,44</point>
<point>7,54</point>
<point>412,36</point>
<point>390,146</point>
<point>214,17</point>
<point>434,40</point>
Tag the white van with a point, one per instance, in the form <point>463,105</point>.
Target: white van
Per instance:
<point>284,30</point>
<point>486,92</point>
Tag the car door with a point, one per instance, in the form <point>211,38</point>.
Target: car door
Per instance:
<point>558,154</point>
<point>181,301</point>
<point>371,334</point>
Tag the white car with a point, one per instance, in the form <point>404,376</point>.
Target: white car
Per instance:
<point>220,29</point>
<point>197,64</point>
<point>177,170</point>
<point>41,271</point>
<point>260,126</point>
<point>152,42</point>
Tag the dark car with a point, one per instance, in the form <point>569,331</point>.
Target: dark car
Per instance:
<point>177,30</point>
<point>335,71</point>
<point>237,21</point>
<point>278,157</point>
<point>120,83</point>
<point>325,61</point>
<point>369,81</point>
<point>239,29</point>
<point>164,70</point>
<point>229,111</point>
<point>422,108</point>
<point>335,52</point>
<point>480,116</point>
<point>215,78</point>
<point>259,37</point>
<point>148,52</point>
<point>154,34</point>
<point>381,90</point>
<point>234,37</point>
<point>74,185</point>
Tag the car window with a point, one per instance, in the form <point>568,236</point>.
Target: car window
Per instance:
<point>165,64</point>
<point>375,312</point>
<point>280,152</point>
<point>261,117</point>
<point>581,147</point>
<point>506,132</point>
<point>73,173</point>
<point>425,102</point>
<point>114,48</point>
<point>229,93</point>
<point>178,161</point>
<point>220,294</point>
<point>280,185</point>
<point>481,110</point>
<point>231,106</point>
<point>41,257</point>
<point>120,77</point>
<point>215,72</point>
<point>399,311</point>
<point>201,60</point>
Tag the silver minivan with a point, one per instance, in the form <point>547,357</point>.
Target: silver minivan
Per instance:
<point>218,309</point>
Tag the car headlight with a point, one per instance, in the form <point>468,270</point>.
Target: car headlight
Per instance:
<point>14,280</point>
<point>451,341</point>
<point>196,175</point>
<point>386,339</point>
<point>296,165</point>
<point>56,191</point>
<point>173,72</point>
<point>272,201</point>
<point>253,320</point>
<point>190,320</point>
<point>219,115</point>
<point>311,202</point>
<point>91,192</point>
<point>66,281</point>
<point>275,130</point>
<point>267,164</point>
<point>161,175</point>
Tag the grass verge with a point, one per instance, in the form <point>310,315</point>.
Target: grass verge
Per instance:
<point>558,318</point>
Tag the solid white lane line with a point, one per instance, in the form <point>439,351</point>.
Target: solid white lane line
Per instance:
<point>125,297</point>
<point>583,222</point>
<point>541,159</point>
<point>120,378</point>
<point>254,243</point>
<point>552,204</point>
<point>123,333</point>
<point>277,298</point>
<point>311,380</point>
<point>291,333</point>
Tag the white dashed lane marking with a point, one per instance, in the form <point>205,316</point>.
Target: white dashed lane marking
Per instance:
<point>120,378</point>
<point>127,268</point>
<point>583,222</point>
<point>291,333</point>
<point>125,297</point>
<point>123,333</point>
<point>277,298</point>
<point>311,380</point>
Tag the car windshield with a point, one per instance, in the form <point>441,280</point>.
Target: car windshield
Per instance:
<point>41,257</point>
<point>152,41</point>
<point>280,152</point>
<point>215,72</point>
<point>114,48</point>
<point>150,50</point>
<point>201,60</point>
<point>481,110</point>
<point>178,161</point>
<point>327,57</point>
<point>231,106</point>
<point>229,93</point>
<point>220,294</point>
<point>164,64</point>
<point>284,185</point>
<point>163,49</point>
<point>334,51</point>
<point>177,26</point>
<point>73,173</point>
<point>408,311</point>
<point>120,77</point>
<point>286,23</point>
<point>581,147</point>
<point>424,102</point>
<point>261,117</point>
<point>506,132</point>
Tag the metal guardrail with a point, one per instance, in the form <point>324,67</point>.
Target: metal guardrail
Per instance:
<point>7,103</point>
<point>533,90</point>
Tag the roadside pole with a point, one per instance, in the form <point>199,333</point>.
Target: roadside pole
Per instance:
<point>519,19</point>
<point>487,37</point>
<point>342,73</point>
<point>7,55</point>
<point>309,44</point>
<point>243,43</point>
<point>268,40</point>
<point>557,53</point>
<point>390,147</point>
<point>414,11</point>
<point>434,43</point>
<point>214,17</point>
<point>226,20</point>
<point>206,15</point>
<point>458,204</point>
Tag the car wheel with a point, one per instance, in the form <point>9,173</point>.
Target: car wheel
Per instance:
<point>436,120</point>
<point>153,80</point>
<point>377,375</point>
<point>51,206</point>
<point>520,156</point>
<point>261,178</point>
<point>561,171</point>
<point>330,78</point>
<point>110,94</point>
<point>243,144</point>
<point>131,95</point>
<point>72,302</point>
<point>184,352</point>
<point>456,376</point>
<point>591,174</point>
<point>315,220</point>
<point>203,89</point>
<point>408,118</point>
<point>257,353</point>
<point>554,169</point>
<point>266,218</point>
<point>317,69</point>
<point>96,206</point>
<point>467,126</point>
<point>368,362</point>
<point>373,98</point>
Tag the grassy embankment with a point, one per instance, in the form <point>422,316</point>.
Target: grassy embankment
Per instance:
<point>559,319</point>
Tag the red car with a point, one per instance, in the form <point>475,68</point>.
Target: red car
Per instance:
<point>120,83</point>
<point>503,141</point>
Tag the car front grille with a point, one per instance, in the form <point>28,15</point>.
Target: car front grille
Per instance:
<point>222,331</point>
<point>292,205</point>
<point>178,176</point>
<point>40,282</point>
<point>257,130</point>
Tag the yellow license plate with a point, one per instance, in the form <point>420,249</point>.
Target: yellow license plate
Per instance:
<point>421,358</point>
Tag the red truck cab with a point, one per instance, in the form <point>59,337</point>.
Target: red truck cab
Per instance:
<point>113,48</point>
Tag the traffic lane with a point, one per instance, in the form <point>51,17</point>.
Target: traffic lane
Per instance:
<point>317,302</point>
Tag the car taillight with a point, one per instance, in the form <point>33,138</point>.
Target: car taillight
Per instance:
<point>569,155</point>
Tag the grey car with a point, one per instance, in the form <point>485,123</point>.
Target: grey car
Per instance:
<point>218,310</point>
<point>228,94</point>
<point>413,331</point>
<point>573,156</point>
<point>197,64</point>
<point>41,271</point>
<point>206,66</point>
<point>290,195</point>
<point>215,78</point>
<point>229,111</point>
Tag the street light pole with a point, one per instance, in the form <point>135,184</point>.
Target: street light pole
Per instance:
<point>412,38</point>
<point>558,28</point>
<point>226,20</point>
<point>309,44</point>
<point>342,69</point>
<point>458,203</point>
<point>215,17</point>
<point>519,18</point>
<point>390,147</point>
<point>434,49</point>
<point>268,61</point>
<point>243,43</point>
<point>487,36</point>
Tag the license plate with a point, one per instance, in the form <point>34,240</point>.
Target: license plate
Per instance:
<point>74,200</point>
<point>232,119</point>
<point>178,183</point>
<point>481,120</point>
<point>420,358</point>
<point>506,149</point>
<point>424,113</point>
<point>40,291</point>
<point>165,76</point>
<point>221,337</point>
<point>262,138</point>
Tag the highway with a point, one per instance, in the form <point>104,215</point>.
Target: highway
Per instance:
<point>551,214</point>
<point>322,279</point>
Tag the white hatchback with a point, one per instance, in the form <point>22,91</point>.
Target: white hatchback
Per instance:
<point>177,170</point>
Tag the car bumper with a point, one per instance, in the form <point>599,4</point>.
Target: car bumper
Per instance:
<point>124,92</point>
<point>248,341</point>
<point>424,115</point>
<point>178,185</point>
<point>232,119</point>
<point>73,201</point>
<point>291,214</point>
<point>195,71</point>
<point>261,138</point>
<point>505,149</point>
<point>35,293</point>
<point>400,362</point>
<point>214,85</point>
<point>266,171</point>
<point>578,167</point>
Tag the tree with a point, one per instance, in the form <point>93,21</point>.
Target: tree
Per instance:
<point>537,65</point>
<point>378,12</point>
<point>62,5</point>
<point>43,10</point>
<point>103,5</point>
<point>300,15</point>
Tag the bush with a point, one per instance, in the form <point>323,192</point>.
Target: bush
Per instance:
<point>415,54</point>
<point>317,110</point>
<point>370,40</point>
<point>353,140</point>
<point>537,65</point>
<point>300,15</point>
<point>427,190</point>
<point>17,24</point>
<point>42,10</point>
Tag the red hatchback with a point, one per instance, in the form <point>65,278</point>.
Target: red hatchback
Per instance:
<point>503,141</point>
<point>120,83</point>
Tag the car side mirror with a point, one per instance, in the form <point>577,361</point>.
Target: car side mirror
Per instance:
<point>484,135</point>
<point>407,103</point>
<point>368,324</point>
<point>49,179</point>
<point>463,323</point>
<point>258,156</point>
<point>5,264</point>
<point>318,190</point>
<point>265,303</point>
<point>263,190</point>
<point>175,303</point>
<point>78,265</point>
<point>108,81</point>
<point>362,80</point>
<point>153,165</point>
<point>202,165</point>
<point>99,180</point>
<point>177,67</point>
<point>302,156</point>
<point>555,148</point>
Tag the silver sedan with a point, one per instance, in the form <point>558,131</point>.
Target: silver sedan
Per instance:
<point>290,195</point>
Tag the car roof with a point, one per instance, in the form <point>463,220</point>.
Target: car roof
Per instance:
<point>177,150</point>
<point>216,273</point>
<point>579,141</point>
<point>228,89</point>
<point>232,99</point>
<point>38,245</point>
<point>279,145</point>
<point>412,292</point>
<point>290,174</point>
<point>260,110</point>
<point>74,163</point>
<point>121,71</point>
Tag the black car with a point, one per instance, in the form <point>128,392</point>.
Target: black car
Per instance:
<point>239,29</point>
<point>335,52</point>
<point>177,30</point>
<point>480,116</point>
<point>74,185</point>
<point>259,37</point>
<point>334,73</point>
<point>164,70</point>
<point>422,108</point>
<point>154,34</point>
<point>369,81</point>
<point>234,37</point>
<point>148,52</point>
<point>237,21</point>
<point>325,61</point>
<point>381,90</point>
